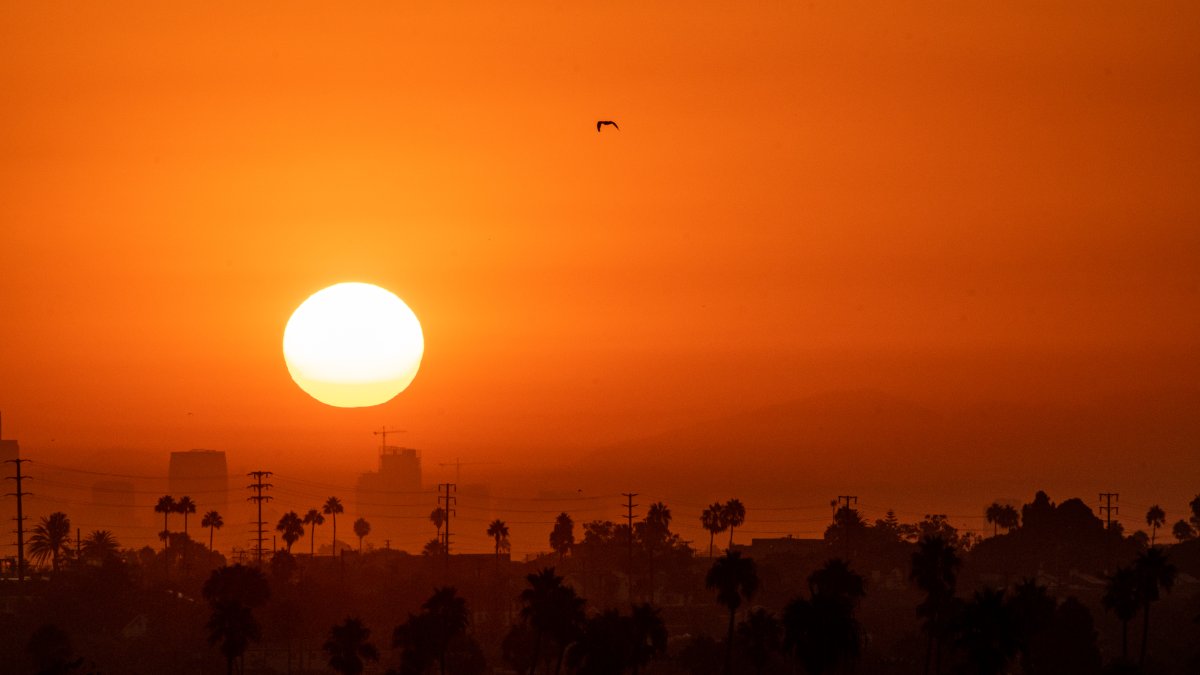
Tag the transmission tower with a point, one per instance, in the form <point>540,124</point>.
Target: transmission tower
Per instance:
<point>446,500</point>
<point>20,495</point>
<point>629,505</point>
<point>258,498</point>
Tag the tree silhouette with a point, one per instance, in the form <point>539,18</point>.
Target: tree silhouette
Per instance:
<point>185,505</point>
<point>1155,518</point>
<point>1032,611</point>
<point>333,506</point>
<point>648,635</point>
<point>761,636</point>
<point>438,518</point>
<point>165,506</point>
<point>313,518</point>
<point>1154,574</point>
<point>1121,598</point>
<point>1009,518</point>
<point>992,516</point>
<point>291,528</point>
<point>448,618</point>
<point>605,645</point>
<point>1194,505</point>
<point>1183,531</point>
<point>821,630</point>
<point>734,578</point>
<point>50,537</point>
<point>498,531</point>
<point>935,571</point>
<point>654,532</point>
<point>361,529</point>
<point>232,592</point>
<point>50,649</point>
<point>562,537</point>
<point>988,633</point>
<point>213,521</point>
<point>433,549</point>
<point>551,609</point>
<point>349,646</point>
<point>733,514</point>
<point>100,545</point>
<point>712,519</point>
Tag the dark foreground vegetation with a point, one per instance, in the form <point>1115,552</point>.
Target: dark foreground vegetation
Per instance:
<point>1052,590</point>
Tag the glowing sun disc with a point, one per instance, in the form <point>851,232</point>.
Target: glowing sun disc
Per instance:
<point>353,345</point>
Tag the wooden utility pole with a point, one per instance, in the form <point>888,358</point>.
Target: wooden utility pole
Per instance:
<point>20,516</point>
<point>629,519</point>
<point>1107,507</point>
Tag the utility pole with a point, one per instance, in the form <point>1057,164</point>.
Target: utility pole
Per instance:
<point>1108,508</point>
<point>258,498</point>
<point>844,500</point>
<point>447,500</point>
<point>20,516</point>
<point>629,519</point>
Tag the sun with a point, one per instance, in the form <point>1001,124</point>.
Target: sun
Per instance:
<point>353,345</point>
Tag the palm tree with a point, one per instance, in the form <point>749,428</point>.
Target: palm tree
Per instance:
<point>213,521</point>
<point>50,538</point>
<point>992,516</point>
<point>734,578</point>
<point>438,518</point>
<point>713,520</point>
<point>1155,518</point>
<point>550,608</point>
<point>185,505</point>
<point>233,625</point>
<point>333,506</point>
<point>762,636</point>
<point>655,531</point>
<point>449,619</point>
<point>988,632</point>
<point>348,647</point>
<point>313,518</point>
<point>1009,517</point>
<point>498,531</point>
<point>100,545</point>
<point>935,570</point>
<point>1121,598</point>
<point>562,537</point>
<point>165,506</point>
<point>361,528</point>
<point>648,633</point>
<point>1183,531</point>
<point>821,630</point>
<point>733,514</point>
<point>1154,574</point>
<point>291,527</point>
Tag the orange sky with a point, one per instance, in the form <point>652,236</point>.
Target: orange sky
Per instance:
<point>943,202</point>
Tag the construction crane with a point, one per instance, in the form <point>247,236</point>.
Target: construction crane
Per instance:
<point>458,466</point>
<point>384,433</point>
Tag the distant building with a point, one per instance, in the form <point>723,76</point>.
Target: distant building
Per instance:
<point>391,499</point>
<point>202,475</point>
<point>8,507</point>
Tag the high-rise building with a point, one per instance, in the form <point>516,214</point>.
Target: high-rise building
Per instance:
<point>391,498</point>
<point>202,475</point>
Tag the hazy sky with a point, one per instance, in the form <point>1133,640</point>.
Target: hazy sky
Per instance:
<point>946,202</point>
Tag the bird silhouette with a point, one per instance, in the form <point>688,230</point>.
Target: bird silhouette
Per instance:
<point>604,122</point>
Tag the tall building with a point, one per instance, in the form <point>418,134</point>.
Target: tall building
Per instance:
<point>201,475</point>
<point>391,499</point>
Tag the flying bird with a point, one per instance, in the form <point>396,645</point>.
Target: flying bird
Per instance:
<point>604,122</point>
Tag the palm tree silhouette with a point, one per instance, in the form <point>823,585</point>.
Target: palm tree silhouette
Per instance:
<point>348,647</point>
<point>713,520</point>
<point>935,571</point>
<point>165,506</point>
<point>821,629</point>
<point>313,518</point>
<point>1154,574</point>
<point>291,527</point>
<point>449,619</point>
<point>1155,518</point>
<point>233,625</point>
<point>734,578</point>
<point>1121,598</point>
<point>498,531</point>
<point>562,537</point>
<point>50,538</point>
<point>1183,531</point>
<point>185,505</point>
<point>733,514</point>
<point>361,528</point>
<point>213,521</point>
<point>762,635</point>
<point>604,645</point>
<point>332,507</point>
<point>438,518</point>
<point>648,634</point>
<point>550,608</point>
<point>654,531</point>
<point>988,632</point>
<point>100,545</point>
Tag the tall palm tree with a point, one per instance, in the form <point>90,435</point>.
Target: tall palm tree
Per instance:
<point>734,578</point>
<point>213,521</point>
<point>1154,574</point>
<point>1009,517</point>
<point>498,531</point>
<point>762,635</point>
<point>438,518</point>
<point>655,531</point>
<point>552,609</point>
<point>1155,518</point>
<point>449,619</point>
<point>361,528</point>
<point>733,514</point>
<point>648,634</point>
<point>821,630</point>
<point>713,520</point>
<point>348,647</point>
<point>935,571</point>
<point>562,537</point>
<point>333,506</point>
<point>988,632</point>
<point>1121,598</point>
<point>233,625</point>
<point>291,528</point>
<point>165,506</point>
<point>50,537</point>
<point>313,518</point>
<point>100,545</point>
<point>992,516</point>
<point>185,505</point>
